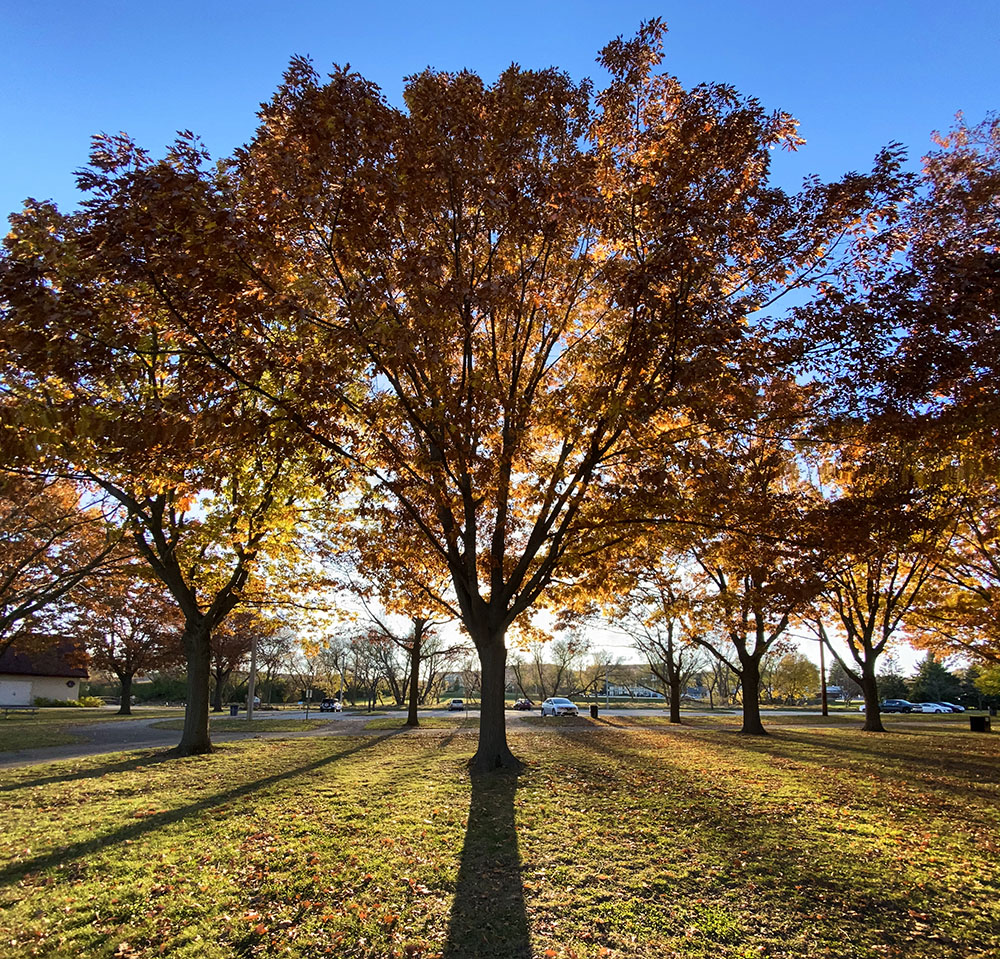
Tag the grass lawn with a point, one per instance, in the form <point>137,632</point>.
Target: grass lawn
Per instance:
<point>242,724</point>
<point>426,722</point>
<point>50,726</point>
<point>645,841</point>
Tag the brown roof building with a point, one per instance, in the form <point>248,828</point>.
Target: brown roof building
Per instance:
<point>53,674</point>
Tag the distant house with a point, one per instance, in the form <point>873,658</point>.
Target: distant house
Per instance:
<point>636,691</point>
<point>56,674</point>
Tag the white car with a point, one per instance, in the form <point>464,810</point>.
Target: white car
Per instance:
<point>930,708</point>
<point>456,704</point>
<point>557,706</point>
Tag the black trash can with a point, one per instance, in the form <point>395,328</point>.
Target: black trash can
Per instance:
<point>234,710</point>
<point>979,724</point>
<point>593,710</point>
<point>993,710</point>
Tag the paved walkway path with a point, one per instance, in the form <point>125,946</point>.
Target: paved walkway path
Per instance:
<point>111,736</point>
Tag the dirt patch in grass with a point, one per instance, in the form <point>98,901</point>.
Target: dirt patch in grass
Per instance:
<point>650,842</point>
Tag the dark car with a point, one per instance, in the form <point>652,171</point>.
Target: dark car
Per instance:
<point>898,706</point>
<point>524,704</point>
<point>330,706</point>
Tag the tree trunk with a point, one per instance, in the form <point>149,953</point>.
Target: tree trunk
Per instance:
<point>750,681</point>
<point>869,687</point>
<point>221,678</point>
<point>675,700</point>
<point>493,752</point>
<point>411,714</point>
<point>195,739</point>
<point>125,706</point>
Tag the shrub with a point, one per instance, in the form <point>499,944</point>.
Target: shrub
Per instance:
<point>90,701</point>
<point>161,688</point>
<point>43,701</point>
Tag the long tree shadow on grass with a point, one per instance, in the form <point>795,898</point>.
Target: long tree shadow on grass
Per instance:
<point>136,829</point>
<point>913,755</point>
<point>488,918</point>
<point>95,768</point>
<point>774,858</point>
<point>912,765</point>
<point>908,758</point>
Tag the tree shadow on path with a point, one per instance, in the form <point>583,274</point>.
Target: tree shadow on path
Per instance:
<point>488,918</point>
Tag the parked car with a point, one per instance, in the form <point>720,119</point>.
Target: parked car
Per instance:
<point>557,706</point>
<point>456,704</point>
<point>331,706</point>
<point>524,704</point>
<point>897,706</point>
<point>954,707</point>
<point>930,708</point>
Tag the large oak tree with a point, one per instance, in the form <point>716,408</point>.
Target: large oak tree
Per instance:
<point>130,627</point>
<point>527,273</point>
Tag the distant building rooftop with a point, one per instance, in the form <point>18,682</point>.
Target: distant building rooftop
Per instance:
<point>64,660</point>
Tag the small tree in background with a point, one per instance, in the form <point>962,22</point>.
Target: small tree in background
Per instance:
<point>796,677</point>
<point>272,654</point>
<point>131,627</point>
<point>849,687</point>
<point>985,687</point>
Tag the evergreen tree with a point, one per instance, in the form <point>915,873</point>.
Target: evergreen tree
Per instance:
<point>934,683</point>
<point>891,683</point>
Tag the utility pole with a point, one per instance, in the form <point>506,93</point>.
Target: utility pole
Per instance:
<point>822,672</point>
<point>252,682</point>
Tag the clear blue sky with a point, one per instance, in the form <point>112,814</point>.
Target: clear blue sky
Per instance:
<point>857,74</point>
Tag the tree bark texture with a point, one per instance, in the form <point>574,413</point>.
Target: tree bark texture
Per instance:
<point>493,752</point>
<point>675,700</point>
<point>873,713</point>
<point>411,713</point>
<point>125,706</point>
<point>750,676</point>
<point>197,646</point>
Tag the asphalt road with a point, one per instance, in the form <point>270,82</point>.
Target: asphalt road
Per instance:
<point>112,736</point>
